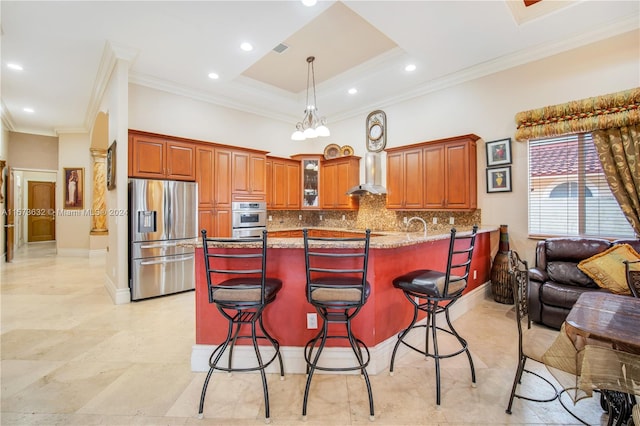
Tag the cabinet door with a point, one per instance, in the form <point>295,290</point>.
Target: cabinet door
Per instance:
<point>347,175</point>
<point>206,220</point>
<point>148,157</point>
<point>205,160</point>
<point>395,180</point>
<point>458,195</point>
<point>328,198</point>
<point>270,183</point>
<point>181,160</point>
<point>222,169</point>
<point>413,179</point>
<point>258,174</point>
<point>279,197</point>
<point>435,178</point>
<point>293,185</point>
<point>223,222</point>
<point>240,170</point>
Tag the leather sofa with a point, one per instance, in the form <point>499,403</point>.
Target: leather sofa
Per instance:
<point>555,283</point>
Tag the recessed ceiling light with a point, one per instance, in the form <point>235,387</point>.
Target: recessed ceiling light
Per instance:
<point>213,76</point>
<point>309,3</point>
<point>16,67</point>
<point>247,47</point>
<point>27,109</point>
<point>353,91</point>
<point>410,67</point>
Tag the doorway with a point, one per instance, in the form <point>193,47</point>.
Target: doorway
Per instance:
<point>41,220</point>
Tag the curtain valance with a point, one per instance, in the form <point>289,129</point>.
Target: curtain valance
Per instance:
<point>586,115</point>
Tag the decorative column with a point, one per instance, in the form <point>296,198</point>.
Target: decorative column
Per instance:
<point>99,206</point>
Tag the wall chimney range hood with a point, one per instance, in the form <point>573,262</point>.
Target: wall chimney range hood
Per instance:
<point>372,164</point>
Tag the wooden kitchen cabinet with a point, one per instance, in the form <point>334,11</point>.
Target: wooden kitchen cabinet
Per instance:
<point>405,183</point>
<point>213,174</point>
<point>338,175</point>
<point>310,180</point>
<point>249,180</point>
<point>283,184</point>
<point>435,175</point>
<point>157,157</point>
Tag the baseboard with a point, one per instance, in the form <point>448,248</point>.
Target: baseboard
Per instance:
<point>120,296</point>
<point>293,357</point>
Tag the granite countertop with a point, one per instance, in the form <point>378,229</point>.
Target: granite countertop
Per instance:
<point>379,239</point>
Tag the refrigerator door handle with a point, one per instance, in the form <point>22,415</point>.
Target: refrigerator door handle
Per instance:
<point>156,262</point>
<point>158,245</point>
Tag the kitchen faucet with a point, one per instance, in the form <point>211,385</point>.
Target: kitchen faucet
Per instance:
<point>421,220</point>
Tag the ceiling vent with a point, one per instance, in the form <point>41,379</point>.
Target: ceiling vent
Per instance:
<point>280,48</point>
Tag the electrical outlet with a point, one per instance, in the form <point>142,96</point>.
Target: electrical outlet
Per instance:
<point>475,274</point>
<point>451,221</point>
<point>270,218</point>
<point>405,220</point>
<point>344,217</point>
<point>435,220</point>
<point>312,320</point>
<point>320,217</point>
<point>299,217</point>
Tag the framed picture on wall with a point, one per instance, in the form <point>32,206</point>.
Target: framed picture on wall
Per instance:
<point>111,166</point>
<point>499,179</point>
<point>498,152</point>
<point>74,188</point>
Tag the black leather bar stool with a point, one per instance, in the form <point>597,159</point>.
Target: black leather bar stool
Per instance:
<point>337,287</point>
<point>434,292</point>
<point>238,285</point>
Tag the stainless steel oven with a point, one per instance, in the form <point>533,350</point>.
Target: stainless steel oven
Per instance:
<point>249,218</point>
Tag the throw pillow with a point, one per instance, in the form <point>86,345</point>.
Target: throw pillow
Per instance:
<point>607,269</point>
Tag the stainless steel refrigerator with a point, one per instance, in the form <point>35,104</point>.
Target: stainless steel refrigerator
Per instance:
<point>162,214</point>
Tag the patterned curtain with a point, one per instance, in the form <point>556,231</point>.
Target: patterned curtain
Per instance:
<point>614,121</point>
<point>619,151</point>
<point>586,115</point>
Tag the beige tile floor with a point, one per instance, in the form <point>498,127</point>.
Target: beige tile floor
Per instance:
<point>71,357</point>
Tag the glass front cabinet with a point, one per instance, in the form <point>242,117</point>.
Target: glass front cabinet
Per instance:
<point>310,165</point>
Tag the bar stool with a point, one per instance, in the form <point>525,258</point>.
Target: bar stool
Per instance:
<point>238,285</point>
<point>337,287</point>
<point>427,289</point>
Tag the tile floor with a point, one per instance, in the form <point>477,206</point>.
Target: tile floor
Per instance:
<point>71,357</point>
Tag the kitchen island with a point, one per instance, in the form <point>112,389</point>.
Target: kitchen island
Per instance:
<point>386,312</point>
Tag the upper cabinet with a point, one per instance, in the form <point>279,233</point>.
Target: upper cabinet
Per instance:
<point>283,184</point>
<point>435,175</point>
<point>249,175</point>
<point>156,157</point>
<point>338,175</point>
<point>310,179</point>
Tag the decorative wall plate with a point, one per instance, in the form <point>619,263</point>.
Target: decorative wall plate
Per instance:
<point>331,151</point>
<point>346,151</point>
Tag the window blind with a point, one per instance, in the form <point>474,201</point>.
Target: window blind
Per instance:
<point>568,192</point>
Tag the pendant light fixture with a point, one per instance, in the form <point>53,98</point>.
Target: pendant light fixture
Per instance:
<point>311,125</point>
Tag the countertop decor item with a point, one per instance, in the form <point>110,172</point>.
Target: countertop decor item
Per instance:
<point>500,272</point>
<point>311,125</point>
<point>346,151</point>
<point>331,151</point>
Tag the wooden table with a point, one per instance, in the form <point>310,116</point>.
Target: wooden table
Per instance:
<point>604,323</point>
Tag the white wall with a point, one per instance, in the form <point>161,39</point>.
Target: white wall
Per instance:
<point>4,154</point>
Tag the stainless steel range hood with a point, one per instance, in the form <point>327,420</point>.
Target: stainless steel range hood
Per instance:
<point>373,171</point>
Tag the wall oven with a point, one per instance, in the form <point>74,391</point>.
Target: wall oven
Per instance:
<point>248,218</point>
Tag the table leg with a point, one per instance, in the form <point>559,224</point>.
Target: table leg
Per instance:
<point>618,405</point>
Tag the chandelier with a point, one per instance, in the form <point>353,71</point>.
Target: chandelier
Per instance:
<point>311,125</point>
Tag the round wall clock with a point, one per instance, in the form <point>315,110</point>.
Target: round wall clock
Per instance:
<point>376,131</point>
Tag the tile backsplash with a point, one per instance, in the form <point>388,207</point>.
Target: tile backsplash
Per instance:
<point>372,214</point>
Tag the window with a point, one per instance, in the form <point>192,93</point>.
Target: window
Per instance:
<point>568,192</point>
